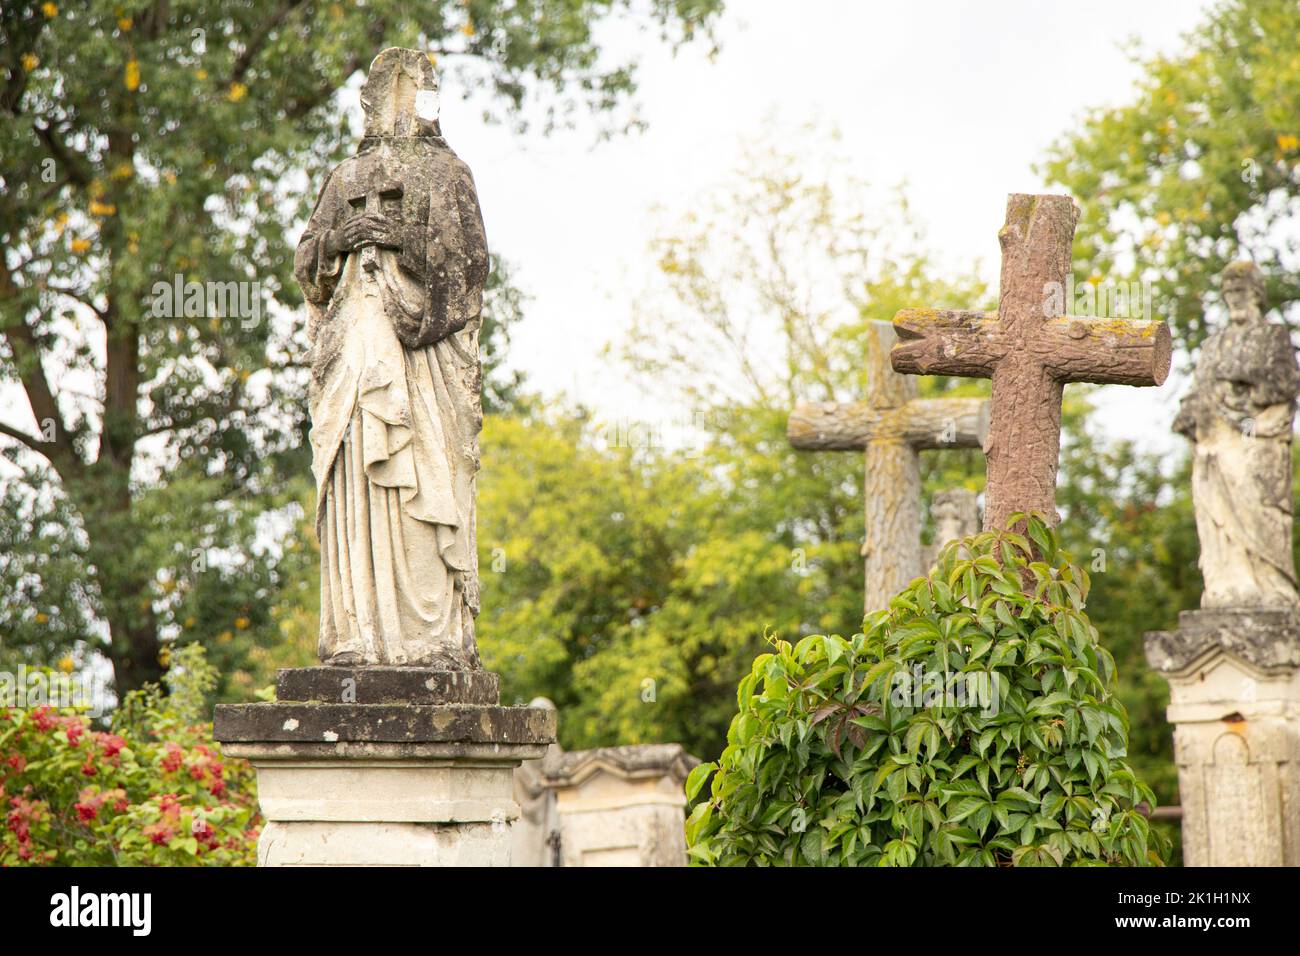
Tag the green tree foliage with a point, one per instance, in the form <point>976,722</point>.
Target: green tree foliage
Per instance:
<point>153,790</point>
<point>140,141</point>
<point>631,568</point>
<point>1203,167</point>
<point>972,724</point>
<point>631,585</point>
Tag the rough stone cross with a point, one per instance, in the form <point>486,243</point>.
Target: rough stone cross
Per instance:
<point>1031,350</point>
<point>892,426</point>
<point>383,200</point>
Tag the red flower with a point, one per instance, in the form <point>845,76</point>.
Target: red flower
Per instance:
<point>203,832</point>
<point>74,728</point>
<point>42,717</point>
<point>158,833</point>
<point>18,762</point>
<point>87,811</point>
<point>174,758</point>
<point>112,744</point>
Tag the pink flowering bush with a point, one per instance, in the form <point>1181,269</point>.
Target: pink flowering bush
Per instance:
<point>151,790</point>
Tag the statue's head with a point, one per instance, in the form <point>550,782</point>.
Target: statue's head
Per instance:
<point>943,507</point>
<point>951,507</point>
<point>1243,292</point>
<point>400,97</point>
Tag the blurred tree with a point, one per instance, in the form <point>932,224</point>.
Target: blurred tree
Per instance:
<point>143,140</point>
<point>1203,167</point>
<point>631,569</point>
<point>631,583</point>
<point>767,289</point>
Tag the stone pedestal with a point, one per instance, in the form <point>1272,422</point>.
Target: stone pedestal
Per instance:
<point>1234,687</point>
<point>612,806</point>
<point>385,766</point>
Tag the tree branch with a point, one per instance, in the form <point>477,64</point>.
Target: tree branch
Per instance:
<point>258,40</point>
<point>31,441</point>
<point>79,171</point>
<point>305,104</point>
<point>27,355</point>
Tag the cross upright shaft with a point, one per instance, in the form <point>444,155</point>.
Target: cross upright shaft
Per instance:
<point>891,427</point>
<point>1031,350</point>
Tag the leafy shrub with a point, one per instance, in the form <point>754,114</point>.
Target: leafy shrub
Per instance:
<point>153,790</point>
<point>971,724</point>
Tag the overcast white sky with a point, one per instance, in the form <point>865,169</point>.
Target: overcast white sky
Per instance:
<point>958,99</point>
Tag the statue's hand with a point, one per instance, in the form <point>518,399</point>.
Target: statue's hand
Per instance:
<point>368,230</point>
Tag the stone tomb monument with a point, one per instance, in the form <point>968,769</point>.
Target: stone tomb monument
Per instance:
<point>396,750</point>
<point>611,806</point>
<point>1233,665</point>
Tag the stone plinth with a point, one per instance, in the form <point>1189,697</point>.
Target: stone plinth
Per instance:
<point>612,806</point>
<point>1234,688</point>
<point>385,766</point>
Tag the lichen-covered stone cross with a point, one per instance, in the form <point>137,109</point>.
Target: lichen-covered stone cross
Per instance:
<point>1031,350</point>
<point>891,427</point>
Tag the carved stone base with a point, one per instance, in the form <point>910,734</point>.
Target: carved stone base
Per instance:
<point>1234,689</point>
<point>353,776</point>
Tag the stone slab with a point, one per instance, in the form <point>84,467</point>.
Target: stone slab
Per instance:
<point>387,685</point>
<point>1265,638</point>
<point>317,723</point>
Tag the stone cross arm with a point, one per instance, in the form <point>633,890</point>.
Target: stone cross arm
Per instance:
<point>1030,350</point>
<point>921,423</point>
<point>1069,349</point>
<point>891,427</point>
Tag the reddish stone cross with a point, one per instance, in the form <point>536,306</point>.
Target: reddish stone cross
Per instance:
<point>1031,350</point>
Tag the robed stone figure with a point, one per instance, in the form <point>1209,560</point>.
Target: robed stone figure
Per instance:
<point>392,265</point>
<point>1239,414</point>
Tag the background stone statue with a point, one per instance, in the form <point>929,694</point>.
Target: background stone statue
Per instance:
<point>1239,414</point>
<point>392,265</point>
<point>956,515</point>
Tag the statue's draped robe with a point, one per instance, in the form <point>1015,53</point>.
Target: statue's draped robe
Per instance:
<point>395,409</point>
<point>1240,414</point>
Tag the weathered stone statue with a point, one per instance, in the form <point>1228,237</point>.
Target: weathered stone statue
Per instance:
<point>1232,664</point>
<point>392,265</point>
<point>397,751</point>
<point>956,515</point>
<point>1240,414</point>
